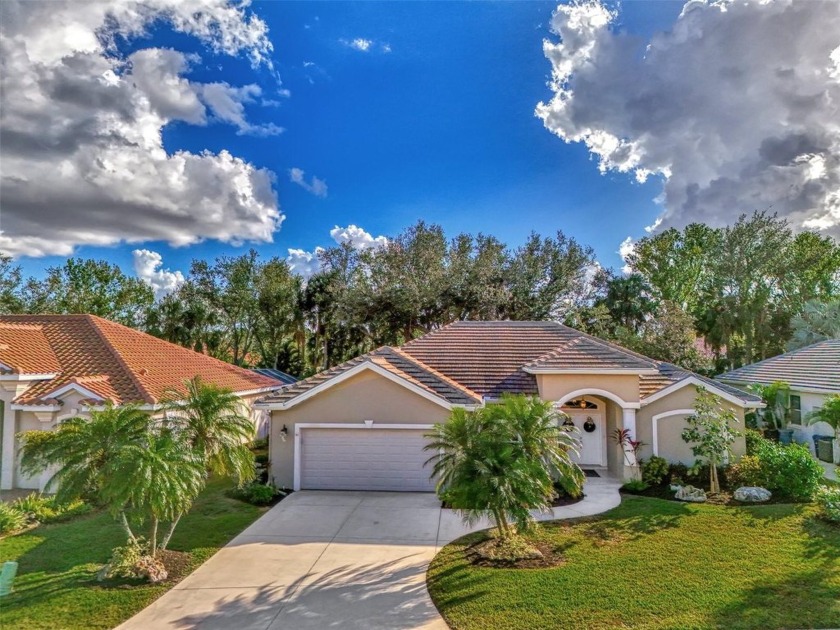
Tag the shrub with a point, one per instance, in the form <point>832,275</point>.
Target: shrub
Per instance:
<point>151,569</point>
<point>261,459</point>
<point>38,508</point>
<point>123,563</point>
<point>257,493</point>
<point>635,485</point>
<point>754,439</point>
<point>791,470</point>
<point>655,470</point>
<point>11,518</point>
<point>259,444</point>
<point>828,501</point>
<point>748,472</point>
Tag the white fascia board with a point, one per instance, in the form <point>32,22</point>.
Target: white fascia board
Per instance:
<point>73,387</point>
<point>692,380</point>
<point>357,369</point>
<point>17,407</point>
<point>27,377</point>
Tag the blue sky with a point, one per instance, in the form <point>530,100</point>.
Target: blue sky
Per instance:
<point>439,128</point>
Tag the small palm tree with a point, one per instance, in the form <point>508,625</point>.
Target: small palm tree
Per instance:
<point>83,451</point>
<point>158,478</point>
<point>502,461</point>
<point>828,413</point>
<point>215,423</point>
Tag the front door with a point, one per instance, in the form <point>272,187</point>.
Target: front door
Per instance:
<point>590,426</point>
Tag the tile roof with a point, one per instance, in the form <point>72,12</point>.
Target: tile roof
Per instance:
<point>489,357</point>
<point>396,362</point>
<point>465,362</point>
<point>588,353</point>
<point>113,361</point>
<point>815,367</point>
<point>668,374</point>
<point>24,348</point>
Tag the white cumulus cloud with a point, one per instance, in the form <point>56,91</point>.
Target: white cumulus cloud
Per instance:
<point>306,264</point>
<point>148,266</point>
<point>362,44</point>
<point>316,186</point>
<point>81,126</point>
<point>626,248</point>
<point>735,107</point>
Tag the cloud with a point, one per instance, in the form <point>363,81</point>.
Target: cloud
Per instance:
<point>148,267</point>
<point>316,186</point>
<point>366,45</point>
<point>303,263</point>
<point>730,115</point>
<point>306,264</point>
<point>83,161</point>
<point>627,247</point>
<point>357,238</point>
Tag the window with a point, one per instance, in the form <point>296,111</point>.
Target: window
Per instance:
<point>795,413</point>
<point>581,403</point>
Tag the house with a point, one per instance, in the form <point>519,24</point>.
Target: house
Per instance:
<point>813,373</point>
<point>361,425</point>
<point>54,367</point>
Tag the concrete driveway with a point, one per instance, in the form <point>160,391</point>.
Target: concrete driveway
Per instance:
<point>330,560</point>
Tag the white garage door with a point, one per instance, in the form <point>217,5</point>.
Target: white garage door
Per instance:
<point>364,459</point>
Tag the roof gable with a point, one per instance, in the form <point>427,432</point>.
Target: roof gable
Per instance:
<point>587,353</point>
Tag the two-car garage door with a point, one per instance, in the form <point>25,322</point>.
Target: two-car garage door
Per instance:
<point>364,459</point>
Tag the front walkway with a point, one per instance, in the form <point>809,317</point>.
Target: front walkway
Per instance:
<point>331,560</point>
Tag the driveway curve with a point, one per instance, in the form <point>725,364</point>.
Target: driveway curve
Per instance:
<point>331,560</point>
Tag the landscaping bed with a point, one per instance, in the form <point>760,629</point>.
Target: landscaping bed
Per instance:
<point>57,585</point>
<point>654,564</point>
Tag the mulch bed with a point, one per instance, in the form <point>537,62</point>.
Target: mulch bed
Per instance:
<point>177,565</point>
<point>552,556</point>
<point>722,498</point>
<point>566,500</point>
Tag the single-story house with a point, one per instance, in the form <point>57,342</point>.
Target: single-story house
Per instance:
<point>54,367</point>
<point>813,373</point>
<point>361,425</point>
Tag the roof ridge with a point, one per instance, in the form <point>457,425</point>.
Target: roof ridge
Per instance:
<point>93,321</point>
<point>436,373</point>
<point>553,352</point>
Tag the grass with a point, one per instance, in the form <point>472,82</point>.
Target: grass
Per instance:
<point>652,563</point>
<point>56,585</point>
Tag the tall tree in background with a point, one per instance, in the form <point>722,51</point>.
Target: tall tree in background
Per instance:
<point>11,280</point>
<point>89,286</point>
<point>818,321</point>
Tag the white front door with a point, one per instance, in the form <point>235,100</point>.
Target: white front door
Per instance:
<point>593,442</point>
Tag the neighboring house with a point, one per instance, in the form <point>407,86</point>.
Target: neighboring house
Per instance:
<point>361,425</point>
<point>54,367</point>
<point>262,417</point>
<point>813,373</point>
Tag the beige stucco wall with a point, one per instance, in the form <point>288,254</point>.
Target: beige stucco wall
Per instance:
<point>670,442</point>
<point>555,386</point>
<point>366,396</point>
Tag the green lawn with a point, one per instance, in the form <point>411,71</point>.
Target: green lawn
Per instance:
<point>56,586</point>
<point>652,563</point>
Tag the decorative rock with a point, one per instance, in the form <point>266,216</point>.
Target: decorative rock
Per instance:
<point>675,487</point>
<point>690,493</point>
<point>752,494</point>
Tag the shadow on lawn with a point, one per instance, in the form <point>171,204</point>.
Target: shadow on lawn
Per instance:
<point>633,523</point>
<point>806,599</point>
<point>378,595</point>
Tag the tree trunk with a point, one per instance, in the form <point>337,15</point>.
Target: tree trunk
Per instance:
<point>153,549</point>
<point>714,485</point>
<point>171,531</point>
<point>126,527</point>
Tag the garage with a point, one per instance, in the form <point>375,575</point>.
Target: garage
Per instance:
<point>353,458</point>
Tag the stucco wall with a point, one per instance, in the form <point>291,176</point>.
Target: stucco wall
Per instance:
<point>555,386</point>
<point>670,442</point>
<point>366,396</point>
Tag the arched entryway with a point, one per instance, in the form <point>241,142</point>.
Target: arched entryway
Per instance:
<point>587,415</point>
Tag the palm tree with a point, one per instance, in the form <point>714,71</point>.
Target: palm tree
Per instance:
<point>502,461</point>
<point>828,413</point>
<point>83,451</point>
<point>215,423</point>
<point>159,477</point>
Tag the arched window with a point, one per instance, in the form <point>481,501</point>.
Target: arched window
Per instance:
<point>580,403</point>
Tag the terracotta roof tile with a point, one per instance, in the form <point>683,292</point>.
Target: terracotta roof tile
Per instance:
<point>119,363</point>
<point>24,348</point>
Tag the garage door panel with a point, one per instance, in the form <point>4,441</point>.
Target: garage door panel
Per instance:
<point>364,459</point>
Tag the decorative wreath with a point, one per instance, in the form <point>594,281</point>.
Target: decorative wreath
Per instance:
<point>589,426</point>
